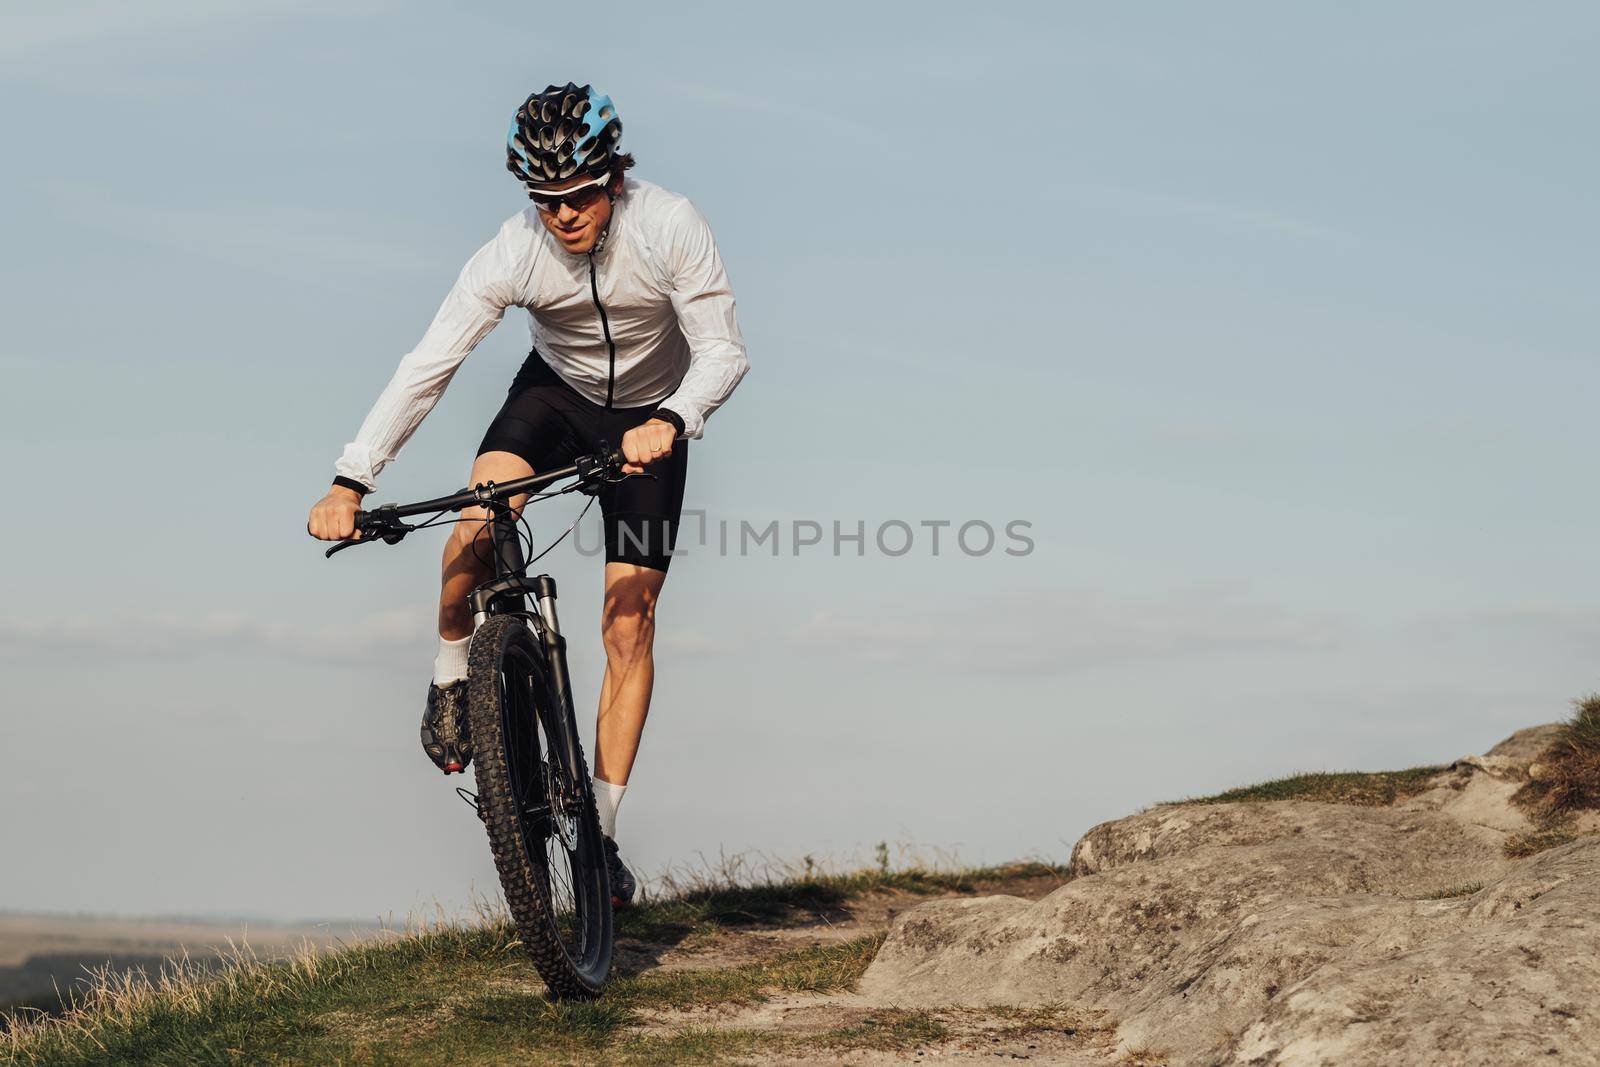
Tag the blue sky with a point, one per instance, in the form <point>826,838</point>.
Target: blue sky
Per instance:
<point>1276,324</point>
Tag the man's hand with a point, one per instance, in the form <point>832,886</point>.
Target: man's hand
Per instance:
<point>646,443</point>
<point>333,518</point>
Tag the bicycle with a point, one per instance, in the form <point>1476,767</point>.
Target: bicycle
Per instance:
<point>534,793</point>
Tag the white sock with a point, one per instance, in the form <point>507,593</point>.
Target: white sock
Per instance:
<point>451,663</point>
<point>607,799</point>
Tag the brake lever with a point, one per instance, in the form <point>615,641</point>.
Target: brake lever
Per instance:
<point>378,525</point>
<point>389,535</point>
<point>597,472</point>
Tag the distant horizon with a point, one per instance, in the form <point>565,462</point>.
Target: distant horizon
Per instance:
<point>192,918</point>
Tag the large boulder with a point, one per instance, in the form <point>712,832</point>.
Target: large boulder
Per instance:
<point>1294,932</point>
<point>1505,976</point>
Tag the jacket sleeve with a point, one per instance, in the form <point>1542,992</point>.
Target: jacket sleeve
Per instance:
<point>474,306</point>
<point>703,301</point>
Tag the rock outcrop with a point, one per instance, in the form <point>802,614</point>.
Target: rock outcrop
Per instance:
<point>1296,932</point>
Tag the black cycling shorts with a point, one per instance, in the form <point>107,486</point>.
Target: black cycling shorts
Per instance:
<point>549,424</point>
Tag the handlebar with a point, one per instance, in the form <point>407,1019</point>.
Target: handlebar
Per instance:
<point>384,523</point>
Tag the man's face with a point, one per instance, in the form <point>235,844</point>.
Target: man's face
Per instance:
<point>579,220</point>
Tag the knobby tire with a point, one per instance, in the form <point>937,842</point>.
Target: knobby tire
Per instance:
<point>503,649</point>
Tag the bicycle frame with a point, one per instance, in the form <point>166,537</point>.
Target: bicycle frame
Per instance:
<point>505,593</point>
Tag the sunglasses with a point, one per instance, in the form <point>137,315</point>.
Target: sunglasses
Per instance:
<point>576,199</point>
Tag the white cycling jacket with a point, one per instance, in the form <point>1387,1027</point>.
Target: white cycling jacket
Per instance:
<point>649,319</point>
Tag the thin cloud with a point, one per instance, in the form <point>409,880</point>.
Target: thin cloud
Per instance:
<point>834,124</point>
<point>1218,215</point>
<point>1568,625</point>
<point>37,29</point>
<point>280,239</point>
<point>1200,433</point>
<point>383,635</point>
<point>1066,632</point>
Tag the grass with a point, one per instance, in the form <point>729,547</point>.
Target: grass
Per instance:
<point>820,969</point>
<point>890,1030</point>
<point>1541,838</point>
<point>430,998</point>
<point>454,992</point>
<point>692,1044</point>
<point>700,904</point>
<point>1021,1022</point>
<point>1367,788</point>
<point>1466,889</point>
<point>894,1030</point>
<point>1563,781</point>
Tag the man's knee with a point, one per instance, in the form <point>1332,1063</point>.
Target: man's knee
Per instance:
<point>470,534</point>
<point>628,626</point>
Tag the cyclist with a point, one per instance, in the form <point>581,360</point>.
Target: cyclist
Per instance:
<point>635,344</point>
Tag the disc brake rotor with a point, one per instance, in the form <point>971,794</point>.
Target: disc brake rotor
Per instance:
<point>561,817</point>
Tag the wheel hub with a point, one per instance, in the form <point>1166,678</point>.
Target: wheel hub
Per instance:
<point>562,819</point>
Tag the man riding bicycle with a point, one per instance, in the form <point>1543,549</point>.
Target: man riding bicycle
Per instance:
<point>635,344</point>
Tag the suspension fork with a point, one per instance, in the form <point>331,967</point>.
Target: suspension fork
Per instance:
<point>543,589</point>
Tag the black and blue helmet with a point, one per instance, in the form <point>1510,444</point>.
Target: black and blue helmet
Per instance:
<point>563,132</point>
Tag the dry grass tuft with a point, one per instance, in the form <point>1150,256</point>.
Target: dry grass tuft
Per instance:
<point>1566,778</point>
<point>1466,889</point>
<point>1367,789</point>
<point>1552,834</point>
<point>1563,781</point>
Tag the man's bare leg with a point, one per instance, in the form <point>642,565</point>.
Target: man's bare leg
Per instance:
<point>628,630</point>
<point>462,569</point>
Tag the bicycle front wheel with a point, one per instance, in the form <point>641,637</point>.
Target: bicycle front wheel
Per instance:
<point>538,806</point>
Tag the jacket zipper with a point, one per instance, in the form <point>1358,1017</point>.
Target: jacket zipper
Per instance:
<point>605,328</point>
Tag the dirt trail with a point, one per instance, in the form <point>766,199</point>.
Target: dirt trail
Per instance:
<point>957,1033</point>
